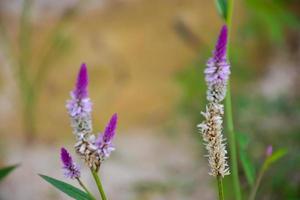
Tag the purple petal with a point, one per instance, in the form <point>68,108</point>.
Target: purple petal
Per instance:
<point>218,69</point>
<point>72,171</point>
<point>221,46</point>
<point>82,83</point>
<point>110,128</point>
<point>65,157</point>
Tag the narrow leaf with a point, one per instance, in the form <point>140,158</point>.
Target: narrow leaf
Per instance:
<point>274,157</point>
<point>7,170</point>
<point>222,8</point>
<point>248,167</point>
<point>247,164</point>
<point>66,188</point>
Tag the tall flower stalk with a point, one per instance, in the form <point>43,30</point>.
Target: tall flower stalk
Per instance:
<point>216,76</point>
<point>229,115</point>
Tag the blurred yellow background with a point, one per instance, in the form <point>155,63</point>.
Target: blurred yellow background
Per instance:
<point>145,61</point>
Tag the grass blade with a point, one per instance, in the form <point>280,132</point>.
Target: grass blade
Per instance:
<point>7,170</point>
<point>66,188</point>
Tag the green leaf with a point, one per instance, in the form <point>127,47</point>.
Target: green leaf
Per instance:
<point>248,167</point>
<point>7,170</point>
<point>222,8</point>
<point>247,164</point>
<point>274,157</point>
<point>243,140</point>
<point>66,188</point>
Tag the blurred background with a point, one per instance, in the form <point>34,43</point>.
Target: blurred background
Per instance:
<point>146,61</point>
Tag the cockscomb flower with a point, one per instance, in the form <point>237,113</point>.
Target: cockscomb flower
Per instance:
<point>79,106</point>
<point>216,76</point>
<point>218,69</point>
<point>104,141</point>
<point>71,170</point>
<point>93,151</point>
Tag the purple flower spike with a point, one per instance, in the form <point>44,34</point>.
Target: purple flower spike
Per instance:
<point>79,106</point>
<point>104,141</point>
<point>80,91</point>
<point>109,132</point>
<point>218,69</point>
<point>71,170</point>
<point>221,46</point>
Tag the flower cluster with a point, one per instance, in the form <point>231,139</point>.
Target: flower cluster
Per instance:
<point>91,149</point>
<point>216,76</point>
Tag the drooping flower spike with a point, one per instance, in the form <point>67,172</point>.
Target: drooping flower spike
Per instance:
<point>71,170</point>
<point>216,76</point>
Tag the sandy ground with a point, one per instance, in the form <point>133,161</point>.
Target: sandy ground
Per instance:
<point>143,167</point>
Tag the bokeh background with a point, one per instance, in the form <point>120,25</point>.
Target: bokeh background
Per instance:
<point>145,60</point>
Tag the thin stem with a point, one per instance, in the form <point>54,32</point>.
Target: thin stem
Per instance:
<point>232,145</point>
<point>220,188</point>
<point>99,184</point>
<point>229,116</point>
<point>85,189</point>
<point>25,86</point>
<point>257,182</point>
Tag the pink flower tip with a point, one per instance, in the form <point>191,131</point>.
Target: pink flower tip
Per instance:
<point>110,129</point>
<point>221,46</point>
<point>82,83</point>
<point>269,150</point>
<point>65,157</point>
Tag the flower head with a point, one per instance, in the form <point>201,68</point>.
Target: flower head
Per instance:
<point>71,170</point>
<point>104,141</point>
<point>79,106</point>
<point>218,69</point>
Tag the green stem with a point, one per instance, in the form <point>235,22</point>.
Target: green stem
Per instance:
<point>85,189</point>
<point>220,188</point>
<point>99,185</point>
<point>232,145</point>
<point>229,117</point>
<point>257,182</point>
